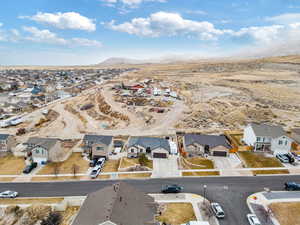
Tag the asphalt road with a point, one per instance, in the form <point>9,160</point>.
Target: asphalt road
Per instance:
<point>230,192</point>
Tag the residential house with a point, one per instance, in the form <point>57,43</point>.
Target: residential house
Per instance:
<point>155,146</point>
<point>43,150</point>
<point>118,204</point>
<point>199,144</point>
<point>98,146</point>
<point>267,138</point>
<point>7,142</point>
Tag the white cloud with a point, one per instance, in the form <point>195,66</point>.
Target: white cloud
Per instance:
<point>168,24</point>
<point>286,18</point>
<point>68,20</point>
<point>48,37</point>
<point>128,3</point>
<point>1,24</point>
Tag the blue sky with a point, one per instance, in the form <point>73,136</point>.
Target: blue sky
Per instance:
<point>68,32</point>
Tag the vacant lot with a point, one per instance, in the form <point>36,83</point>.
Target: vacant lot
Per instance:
<point>30,201</point>
<point>259,160</point>
<point>10,165</point>
<point>68,215</point>
<point>197,163</point>
<point>66,167</point>
<point>287,213</point>
<point>177,213</point>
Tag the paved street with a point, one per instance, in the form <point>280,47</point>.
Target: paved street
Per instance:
<point>230,192</point>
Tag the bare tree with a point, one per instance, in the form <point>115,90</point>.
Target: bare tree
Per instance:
<point>75,169</point>
<point>55,169</point>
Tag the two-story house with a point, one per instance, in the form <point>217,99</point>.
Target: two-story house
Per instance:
<point>267,138</point>
<point>43,150</point>
<point>7,142</point>
<point>98,146</point>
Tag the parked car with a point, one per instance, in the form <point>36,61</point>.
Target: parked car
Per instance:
<point>9,194</point>
<point>174,188</point>
<point>217,209</point>
<point>292,186</point>
<point>253,220</point>
<point>100,162</point>
<point>95,172</point>
<point>290,157</point>
<point>295,156</point>
<point>93,162</point>
<point>282,158</point>
<point>30,167</point>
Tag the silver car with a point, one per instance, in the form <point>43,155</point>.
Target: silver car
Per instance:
<point>217,210</point>
<point>9,194</point>
<point>253,220</point>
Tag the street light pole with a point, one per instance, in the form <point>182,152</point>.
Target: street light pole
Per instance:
<point>204,192</point>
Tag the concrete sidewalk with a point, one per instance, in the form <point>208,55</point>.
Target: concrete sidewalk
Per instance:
<point>195,200</point>
<point>259,203</point>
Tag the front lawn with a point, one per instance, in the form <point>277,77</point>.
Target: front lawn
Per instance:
<point>126,162</point>
<point>259,160</point>
<point>135,175</point>
<point>197,163</point>
<point>11,165</point>
<point>177,213</point>
<point>287,213</point>
<point>67,166</point>
<point>111,166</point>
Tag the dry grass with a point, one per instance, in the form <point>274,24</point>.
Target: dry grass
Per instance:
<point>30,201</point>
<point>198,163</point>
<point>177,213</point>
<point>6,179</point>
<point>111,166</point>
<point>68,215</point>
<point>126,162</point>
<point>66,167</point>
<point>136,175</point>
<point>287,213</point>
<point>258,160</point>
<point>67,178</point>
<point>11,165</point>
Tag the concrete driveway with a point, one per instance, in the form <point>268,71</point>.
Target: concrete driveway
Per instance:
<point>228,163</point>
<point>165,167</point>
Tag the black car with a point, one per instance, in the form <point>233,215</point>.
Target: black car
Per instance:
<point>93,162</point>
<point>292,186</point>
<point>30,167</point>
<point>290,157</point>
<point>174,188</point>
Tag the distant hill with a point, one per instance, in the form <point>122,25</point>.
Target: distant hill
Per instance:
<point>120,61</point>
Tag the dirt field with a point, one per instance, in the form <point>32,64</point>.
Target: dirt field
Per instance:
<point>287,213</point>
<point>10,165</point>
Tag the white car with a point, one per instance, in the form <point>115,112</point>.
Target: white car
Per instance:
<point>253,220</point>
<point>8,194</point>
<point>217,210</point>
<point>95,172</point>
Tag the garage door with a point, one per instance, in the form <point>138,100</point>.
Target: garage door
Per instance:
<point>160,155</point>
<point>218,153</point>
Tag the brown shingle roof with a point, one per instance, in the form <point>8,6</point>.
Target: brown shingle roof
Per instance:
<point>121,204</point>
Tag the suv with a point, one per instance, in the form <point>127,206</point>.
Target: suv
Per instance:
<point>95,172</point>
<point>290,157</point>
<point>282,158</point>
<point>100,162</point>
<point>174,188</point>
<point>292,186</point>
<point>217,209</point>
<point>30,167</point>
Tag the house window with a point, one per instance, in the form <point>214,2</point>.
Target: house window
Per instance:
<point>132,150</point>
<point>258,139</point>
<point>286,142</point>
<point>280,142</point>
<point>99,148</point>
<point>37,151</point>
<point>141,150</point>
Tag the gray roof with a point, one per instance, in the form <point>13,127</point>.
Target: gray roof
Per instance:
<point>150,142</point>
<point>210,140</point>
<point>4,136</point>
<point>46,143</point>
<point>265,130</point>
<point>121,204</point>
<point>101,139</point>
